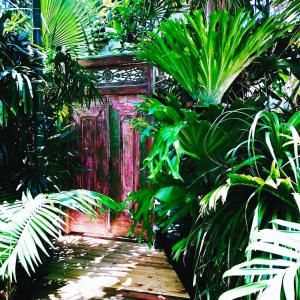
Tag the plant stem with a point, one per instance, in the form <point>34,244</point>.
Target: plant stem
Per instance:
<point>8,289</point>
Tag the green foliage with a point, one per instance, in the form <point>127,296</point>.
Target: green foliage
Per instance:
<point>163,205</point>
<point>205,57</point>
<point>28,226</point>
<point>217,168</point>
<point>189,155</point>
<point>267,183</point>
<point>211,168</point>
<point>72,24</point>
<point>65,83</point>
<point>16,68</point>
<point>61,161</point>
<point>132,20</point>
<point>272,269</point>
<point>64,80</point>
<point>273,78</point>
<point>69,23</point>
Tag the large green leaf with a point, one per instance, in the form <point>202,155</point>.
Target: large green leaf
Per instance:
<point>69,23</point>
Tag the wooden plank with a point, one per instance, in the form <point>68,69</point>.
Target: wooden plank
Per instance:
<point>143,295</point>
<point>127,157</point>
<point>121,252</point>
<point>115,180</point>
<point>90,268</point>
<point>125,90</point>
<point>113,60</point>
<point>102,152</point>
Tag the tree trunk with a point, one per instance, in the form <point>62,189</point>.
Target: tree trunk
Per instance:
<point>210,6</point>
<point>38,91</point>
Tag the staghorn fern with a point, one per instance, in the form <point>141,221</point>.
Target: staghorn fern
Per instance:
<point>205,57</point>
<point>28,225</point>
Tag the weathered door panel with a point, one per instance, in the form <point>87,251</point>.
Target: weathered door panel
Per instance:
<point>94,148</point>
<point>125,157</point>
<point>114,163</point>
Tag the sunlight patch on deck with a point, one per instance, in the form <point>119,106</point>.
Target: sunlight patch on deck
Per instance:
<point>93,268</point>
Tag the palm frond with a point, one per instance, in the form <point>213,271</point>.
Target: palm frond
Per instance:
<point>28,226</point>
<point>275,273</point>
<point>69,23</point>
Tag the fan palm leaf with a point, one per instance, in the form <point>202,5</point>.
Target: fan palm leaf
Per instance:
<point>29,225</point>
<point>206,56</point>
<point>68,23</point>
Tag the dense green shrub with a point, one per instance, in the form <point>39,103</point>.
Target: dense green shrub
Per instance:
<point>218,165</point>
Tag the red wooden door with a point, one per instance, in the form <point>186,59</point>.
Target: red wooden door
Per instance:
<point>110,152</point>
<point>110,148</point>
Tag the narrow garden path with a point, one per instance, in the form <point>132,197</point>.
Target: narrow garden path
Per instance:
<point>93,268</point>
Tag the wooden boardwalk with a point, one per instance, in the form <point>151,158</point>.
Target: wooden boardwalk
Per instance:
<point>93,268</point>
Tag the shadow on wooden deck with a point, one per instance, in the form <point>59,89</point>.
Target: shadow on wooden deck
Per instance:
<point>93,268</point>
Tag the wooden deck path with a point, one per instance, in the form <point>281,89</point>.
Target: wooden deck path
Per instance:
<point>93,268</point>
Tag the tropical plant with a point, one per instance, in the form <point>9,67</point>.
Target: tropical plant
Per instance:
<point>206,56</point>
<point>212,158</point>
<point>64,83</point>
<point>268,180</point>
<point>131,20</point>
<point>28,226</point>
<point>67,83</point>
<point>189,156</point>
<point>69,23</point>
<point>206,160</point>
<point>64,23</point>
<point>266,8</point>
<point>23,77</point>
<point>17,68</point>
<point>273,78</point>
<point>272,270</point>
<point>62,163</point>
